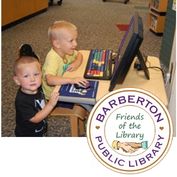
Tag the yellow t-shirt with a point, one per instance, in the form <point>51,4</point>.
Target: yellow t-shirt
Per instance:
<point>54,65</point>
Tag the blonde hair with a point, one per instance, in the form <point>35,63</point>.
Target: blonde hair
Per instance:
<point>55,29</point>
<point>24,60</point>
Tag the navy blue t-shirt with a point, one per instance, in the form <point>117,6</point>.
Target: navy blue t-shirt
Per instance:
<point>26,107</point>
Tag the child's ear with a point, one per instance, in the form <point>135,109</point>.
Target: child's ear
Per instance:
<point>56,44</point>
<point>16,80</point>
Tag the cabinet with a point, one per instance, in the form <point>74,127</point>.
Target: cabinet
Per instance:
<point>156,16</point>
<point>13,10</point>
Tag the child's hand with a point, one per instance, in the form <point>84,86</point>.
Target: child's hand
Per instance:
<point>54,98</point>
<point>72,67</point>
<point>76,63</point>
<point>80,81</point>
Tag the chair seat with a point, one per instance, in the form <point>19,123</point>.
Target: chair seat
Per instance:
<point>77,116</point>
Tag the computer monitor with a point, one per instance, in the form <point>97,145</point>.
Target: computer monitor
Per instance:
<point>128,48</point>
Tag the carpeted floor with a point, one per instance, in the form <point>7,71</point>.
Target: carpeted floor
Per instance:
<point>96,21</point>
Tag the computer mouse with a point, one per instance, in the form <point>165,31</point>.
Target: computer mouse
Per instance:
<point>77,86</point>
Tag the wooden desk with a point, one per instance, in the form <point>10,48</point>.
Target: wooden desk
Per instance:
<point>155,85</point>
<point>134,79</point>
<point>103,84</point>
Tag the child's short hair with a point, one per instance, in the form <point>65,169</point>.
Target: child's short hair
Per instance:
<point>54,29</point>
<point>24,60</point>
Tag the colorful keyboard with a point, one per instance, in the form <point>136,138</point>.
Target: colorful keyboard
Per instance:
<point>99,65</point>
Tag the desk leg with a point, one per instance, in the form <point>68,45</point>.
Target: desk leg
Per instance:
<point>74,126</point>
<point>81,127</point>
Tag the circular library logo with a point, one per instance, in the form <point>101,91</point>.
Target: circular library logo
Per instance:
<point>129,130</point>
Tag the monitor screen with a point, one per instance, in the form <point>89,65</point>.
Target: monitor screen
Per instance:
<point>127,50</point>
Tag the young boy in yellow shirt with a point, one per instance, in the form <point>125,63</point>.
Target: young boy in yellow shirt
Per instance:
<point>62,57</point>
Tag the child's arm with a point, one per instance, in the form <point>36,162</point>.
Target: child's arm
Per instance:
<point>76,63</point>
<point>59,80</point>
<point>47,109</point>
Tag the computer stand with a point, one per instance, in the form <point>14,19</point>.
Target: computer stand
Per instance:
<point>143,64</point>
<point>125,1</point>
